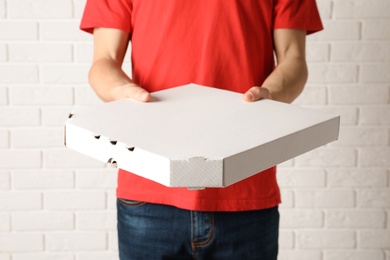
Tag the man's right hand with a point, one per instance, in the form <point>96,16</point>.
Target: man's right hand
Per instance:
<point>131,90</point>
<point>106,76</point>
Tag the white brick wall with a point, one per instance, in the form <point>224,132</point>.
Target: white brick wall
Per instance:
<point>57,204</point>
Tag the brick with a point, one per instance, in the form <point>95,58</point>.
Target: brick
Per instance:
<point>375,115</point>
<point>40,52</point>
<point>96,179</point>
<point>86,96</point>
<point>286,239</point>
<point>327,157</point>
<point>66,158</point>
<point>20,159</point>
<point>25,74</point>
<point>78,6</point>
<point>5,256</point>
<point>332,73</point>
<point>42,256</point>
<point>388,220</point>
<point>359,95</point>
<point>376,29</point>
<point>352,177</point>
<point>324,239</point>
<point>297,218</point>
<point>373,198</point>
<point>98,256</point>
<point>361,9</point>
<point>76,241</point>
<point>2,15</point>
<point>312,96</point>
<point>40,9</point>
<point>354,218</point>
<point>5,222</point>
<point>3,52</point>
<point>75,200</point>
<point>37,137</point>
<point>3,96</point>
<point>18,30</point>
<point>325,9</point>
<point>94,220</point>
<point>317,52</point>
<point>389,138</point>
<point>20,201</point>
<point>287,198</point>
<point>5,181</point>
<point>375,73</point>
<point>42,179</point>
<point>42,221</point>
<point>65,74</point>
<point>360,51</point>
<point>113,240</point>
<point>324,198</point>
<point>83,52</point>
<point>362,136</point>
<point>21,242</point>
<point>374,157</point>
<point>4,138</point>
<point>336,30</point>
<point>301,178</point>
<point>111,199</point>
<point>353,255</point>
<point>374,239</point>
<point>348,114</point>
<point>299,255</point>
<point>19,116</point>
<point>55,116</point>
<point>63,31</point>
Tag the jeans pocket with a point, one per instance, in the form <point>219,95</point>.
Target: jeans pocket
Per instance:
<point>131,203</point>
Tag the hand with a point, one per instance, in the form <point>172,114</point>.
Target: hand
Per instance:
<point>256,93</point>
<point>131,90</point>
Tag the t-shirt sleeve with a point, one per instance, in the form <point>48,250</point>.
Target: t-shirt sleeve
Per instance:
<point>108,14</point>
<point>297,14</point>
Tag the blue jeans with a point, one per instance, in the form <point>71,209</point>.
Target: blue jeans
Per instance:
<point>151,231</point>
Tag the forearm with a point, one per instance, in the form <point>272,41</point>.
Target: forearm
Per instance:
<point>288,79</point>
<point>107,78</point>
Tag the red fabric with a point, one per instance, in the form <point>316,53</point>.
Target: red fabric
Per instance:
<point>218,43</point>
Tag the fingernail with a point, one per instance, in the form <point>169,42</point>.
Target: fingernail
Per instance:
<point>144,96</point>
<point>248,97</point>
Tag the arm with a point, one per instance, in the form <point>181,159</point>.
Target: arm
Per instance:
<point>287,80</point>
<point>106,76</point>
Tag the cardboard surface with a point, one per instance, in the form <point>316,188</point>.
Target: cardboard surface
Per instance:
<point>195,136</point>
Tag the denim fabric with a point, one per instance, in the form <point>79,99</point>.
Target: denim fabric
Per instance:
<point>151,231</point>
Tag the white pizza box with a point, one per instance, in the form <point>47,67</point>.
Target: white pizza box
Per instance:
<point>195,136</point>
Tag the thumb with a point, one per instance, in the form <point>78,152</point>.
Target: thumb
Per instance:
<point>256,93</point>
<point>136,92</point>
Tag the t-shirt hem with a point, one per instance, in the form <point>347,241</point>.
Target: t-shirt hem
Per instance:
<point>305,25</point>
<point>89,25</point>
<point>203,204</point>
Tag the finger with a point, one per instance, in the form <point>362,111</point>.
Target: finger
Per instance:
<point>256,93</point>
<point>136,92</point>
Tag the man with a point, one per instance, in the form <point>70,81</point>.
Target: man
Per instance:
<point>227,44</point>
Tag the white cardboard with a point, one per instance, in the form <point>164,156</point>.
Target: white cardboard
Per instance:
<point>196,136</point>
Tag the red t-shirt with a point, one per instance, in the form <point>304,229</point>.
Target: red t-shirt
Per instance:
<point>218,43</point>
